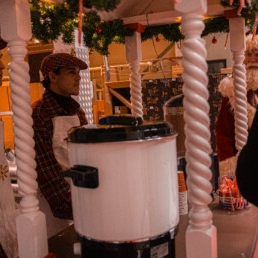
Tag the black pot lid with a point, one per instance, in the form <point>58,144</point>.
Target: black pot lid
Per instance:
<point>116,133</point>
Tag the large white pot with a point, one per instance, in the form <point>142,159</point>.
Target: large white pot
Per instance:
<point>137,194</point>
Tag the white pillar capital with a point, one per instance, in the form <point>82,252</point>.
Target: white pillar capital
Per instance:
<point>237,32</point>
<point>133,47</point>
<point>15,20</point>
<point>185,6</point>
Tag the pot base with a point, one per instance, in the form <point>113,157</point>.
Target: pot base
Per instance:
<point>162,246</point>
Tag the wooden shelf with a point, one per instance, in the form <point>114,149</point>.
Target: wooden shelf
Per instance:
<point>118,84</point>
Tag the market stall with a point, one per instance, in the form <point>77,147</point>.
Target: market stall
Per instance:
<point>16,30</point>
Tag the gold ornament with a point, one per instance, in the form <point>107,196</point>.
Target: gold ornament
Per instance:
<point>73,53</point>
<point>3,172</point>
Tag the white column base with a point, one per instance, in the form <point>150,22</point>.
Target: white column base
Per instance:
<point>201,243</point>
<point>32,235</point>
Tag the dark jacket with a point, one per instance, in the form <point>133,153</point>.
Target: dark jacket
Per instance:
<point>247,165</point>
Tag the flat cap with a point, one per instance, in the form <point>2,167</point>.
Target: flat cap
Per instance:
<point>60,60</point>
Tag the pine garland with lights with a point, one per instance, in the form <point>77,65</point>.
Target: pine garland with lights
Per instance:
<point>49,21</point>
<point>104,5</point>
<point>101,5</point>
<point>170,32</point>
<point>215,25</point>
<point>98,35</point>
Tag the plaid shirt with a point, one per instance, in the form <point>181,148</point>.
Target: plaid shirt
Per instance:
<point>54,188</point>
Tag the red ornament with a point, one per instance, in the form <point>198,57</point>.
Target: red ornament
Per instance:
<point>157,39</point>
<point>98,30</point>
<point>214,40</point>
<point>248,32</point>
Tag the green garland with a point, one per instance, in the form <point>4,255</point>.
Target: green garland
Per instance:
<point>49,21</point>
<point>98,35</point>
<point>214,25</point>
<point>101,5</point>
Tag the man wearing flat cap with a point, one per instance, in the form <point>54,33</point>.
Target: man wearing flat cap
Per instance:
<point>53,115</point>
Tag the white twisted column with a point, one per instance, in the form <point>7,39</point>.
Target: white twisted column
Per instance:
<point>23,132</point>
<point>201,234</point>
<point>31,223</point>
<point>241,123</point>
<point>237,45</point>
<point>134,56</point>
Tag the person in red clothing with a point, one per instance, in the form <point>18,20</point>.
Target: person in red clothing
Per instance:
<point>225,128</point>
<point>53,115</point>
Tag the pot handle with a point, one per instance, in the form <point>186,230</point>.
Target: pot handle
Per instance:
<point>121,120</point>
<point>83,176</point>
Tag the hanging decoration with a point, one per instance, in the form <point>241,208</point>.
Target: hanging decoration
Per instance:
<point>80,21</point>
<point>248,32</point>
<point>49,21</point>
<point>98,30</point>
<point>226,41</point>
<point>214,40</point>
<point>254,28</point>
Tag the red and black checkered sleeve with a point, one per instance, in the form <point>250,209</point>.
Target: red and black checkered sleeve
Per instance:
<point>53,187</point>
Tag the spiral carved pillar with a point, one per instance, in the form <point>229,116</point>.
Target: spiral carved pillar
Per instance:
<point>31,223</point>
<point>8,212</point>
<point>201,235</point>
<point>134,57</point>
<point>237,46</point>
